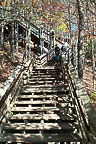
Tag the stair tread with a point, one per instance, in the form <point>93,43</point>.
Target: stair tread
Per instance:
<point>53,73</point>
<point>40,108</point>
<point>45,78</point>
<point>30,90</point>
<point>48,68</point>
<point>43,75</point>
<point>34,108</point>
<point>36,102</point>
<point>41,126</point>
<point>41,102</point>
<point>44,86</point>
<point>42,96</point>
<point>44,82</point>
<point>40,137</point>
<point>45,72</point>
<point>48,116</point>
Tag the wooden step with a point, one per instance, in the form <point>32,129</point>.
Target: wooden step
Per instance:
<point>40,137</point>
<point>35,102</point>
<point>45,86</point>
<point>37,90</point>
<point>45,82</point>
<point>31,102</point>
<point>41,126</point>
<point>41,116</point>
<point>53,73</point>
<point>31,88</point>
<point>52,92</point>
<point>33,96</point>
<point>46,71</point>
<point>47,68</point>
<point>42,102</point>
<point>30,109</point>
<point>45,78</point>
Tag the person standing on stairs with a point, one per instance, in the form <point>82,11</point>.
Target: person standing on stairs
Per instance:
<point>65,46</point>
<point>64,50</point>
<point>57,52</point>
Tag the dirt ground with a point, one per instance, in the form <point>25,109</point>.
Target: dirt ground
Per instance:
<point>7,65</point>
<point>88,78</point>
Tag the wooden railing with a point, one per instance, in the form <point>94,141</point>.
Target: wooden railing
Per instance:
<point>44,58</point>
<point>34,29</point>
<point>12,85</point>
<point>84,110</point>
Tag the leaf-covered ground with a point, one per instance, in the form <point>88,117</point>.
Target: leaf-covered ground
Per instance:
<point>88,78</point>
<point>7,65</point>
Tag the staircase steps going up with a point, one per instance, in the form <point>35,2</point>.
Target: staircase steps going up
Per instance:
<point>42,112</point>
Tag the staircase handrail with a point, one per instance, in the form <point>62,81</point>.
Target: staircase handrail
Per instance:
<point>38,28</point>
<point>44,58</point>
<point>29,21</point>
<point>12,85</point>
<point>86,112</point>
<point>66,56</point>
<point>59,41</point>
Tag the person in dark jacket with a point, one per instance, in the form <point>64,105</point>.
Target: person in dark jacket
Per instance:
<point>57,52</point>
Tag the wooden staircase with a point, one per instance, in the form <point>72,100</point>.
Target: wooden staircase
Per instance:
<point>42,112</point>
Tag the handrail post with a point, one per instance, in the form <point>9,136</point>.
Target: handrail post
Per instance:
<point>2,29</point>
<point>29,35</point>
<point>17,37</point>
<point>41,41</point>
<point>50,39</point>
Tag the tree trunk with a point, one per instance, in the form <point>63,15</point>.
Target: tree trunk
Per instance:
<point>17,37</point>
<point>79,44</point>
<point>2,29</point>
<point>93,63</point>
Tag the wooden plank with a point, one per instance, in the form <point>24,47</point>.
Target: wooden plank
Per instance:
<point>42,88</point>
<point>45,78</point>
<point>40,102</point>
<point>47,68</point>
<point>40,73</point>
<point>48,116</point>
<point>36,96</point>
<point>29,90</point>
<point>44,82</point>
<point>53,73</point>
<point>34,116</point>
<point>45,86</point>
<point>36,102</point>
<point>41,126</point>
<point>29,109</point>
<point>43,96</point>
<point>40,138</point>
<point>88,109</point>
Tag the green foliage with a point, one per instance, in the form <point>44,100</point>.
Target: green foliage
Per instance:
<point>93,97</point>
